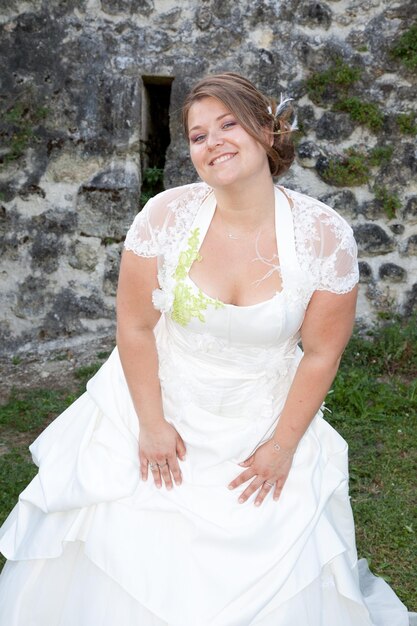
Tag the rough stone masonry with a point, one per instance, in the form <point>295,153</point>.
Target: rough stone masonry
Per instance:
<point>89,88</point>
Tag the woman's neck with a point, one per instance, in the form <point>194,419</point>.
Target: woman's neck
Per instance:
<point>247,205</point>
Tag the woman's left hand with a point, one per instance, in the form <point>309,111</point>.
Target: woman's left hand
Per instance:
<point>269,469</point>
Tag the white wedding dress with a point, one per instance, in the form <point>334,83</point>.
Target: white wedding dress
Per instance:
<point>90,544</point>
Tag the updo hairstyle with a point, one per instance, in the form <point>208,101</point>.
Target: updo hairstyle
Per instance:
<point>254,111</point>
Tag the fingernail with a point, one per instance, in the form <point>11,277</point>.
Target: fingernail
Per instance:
<point>230,486</point>
<point>241,500</point>
<point>169,487</point>
<point>257,503</point>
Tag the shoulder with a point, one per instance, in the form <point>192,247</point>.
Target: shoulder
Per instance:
<point>311,212</point>
<point>170,198</point>
<point>325,245</point>
<point>304,206</point>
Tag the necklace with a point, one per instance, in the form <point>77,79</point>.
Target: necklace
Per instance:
<point>243,235</point>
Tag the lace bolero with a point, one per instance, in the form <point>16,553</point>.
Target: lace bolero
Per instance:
<point>325,247</point>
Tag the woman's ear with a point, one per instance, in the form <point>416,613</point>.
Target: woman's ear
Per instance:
<point>269,136</point>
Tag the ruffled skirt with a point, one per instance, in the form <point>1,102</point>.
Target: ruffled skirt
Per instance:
<point>90,543</point>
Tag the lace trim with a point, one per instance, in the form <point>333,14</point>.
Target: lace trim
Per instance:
<point>186,304</point>
<point>327,273</point>
<point>313,220</point>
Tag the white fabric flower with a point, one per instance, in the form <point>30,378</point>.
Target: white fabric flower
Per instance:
<point>162,300</point>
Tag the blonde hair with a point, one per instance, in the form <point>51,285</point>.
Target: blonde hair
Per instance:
<point>253,111</point>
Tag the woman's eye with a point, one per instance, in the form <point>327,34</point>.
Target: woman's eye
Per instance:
<point>229,124</point>
<point>197,139</point>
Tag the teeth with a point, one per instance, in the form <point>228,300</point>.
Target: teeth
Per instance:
<point>225,157</point>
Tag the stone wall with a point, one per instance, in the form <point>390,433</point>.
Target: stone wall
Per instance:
<point>73,140</point>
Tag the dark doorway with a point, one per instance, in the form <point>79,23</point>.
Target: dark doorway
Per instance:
<point>155,137</point>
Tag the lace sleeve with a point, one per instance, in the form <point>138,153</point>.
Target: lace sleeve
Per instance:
<point>148,233</point>
<point>338,257</point>
<point>325,245</point>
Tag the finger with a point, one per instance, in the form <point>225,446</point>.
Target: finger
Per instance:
<point>248,461</point>
<point>181,449</point>
<point>144,468</point>
<point>242,478</point>
<point>263,492</point>
<point>277,490</point>
<point>255,484</point>
<point>156,476</point>
<point>166,474</point>
<point>175,469</point>
<point>143,464</point>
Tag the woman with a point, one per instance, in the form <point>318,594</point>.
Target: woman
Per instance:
<point>241,516</point>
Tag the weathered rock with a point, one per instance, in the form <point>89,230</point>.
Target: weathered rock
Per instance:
<point>31,298</point>
<point>84,254</point>
<point>365,272</point>
<point>308,153</point>
<point>410,210</point>
<point>397,228</point>
<point>334,126</point>
<point>392,272</point>
<point>372,239</point>
<point>343,201</point>
<point>203,17</point>
<point>410,305</point>
<point>111,271</point>
<point>411,245</point>
<point>372,209</point>
<point>306,117</point>
<point>74,127</point>
<point>106,213</point>
<point>46,231</point>
<point>141,7</point>
<point>316,14</point>
<point>68,311</point>
<point>46,250</point>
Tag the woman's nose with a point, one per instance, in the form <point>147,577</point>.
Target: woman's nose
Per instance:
<point>214,139</point>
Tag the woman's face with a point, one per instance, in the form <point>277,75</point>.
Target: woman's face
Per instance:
<point>221,150</point>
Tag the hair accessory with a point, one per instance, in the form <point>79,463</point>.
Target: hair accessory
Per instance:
<point>279,109</point>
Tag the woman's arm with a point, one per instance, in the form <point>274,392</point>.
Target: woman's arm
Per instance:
<point>159,442</point>
<point>325,332</point>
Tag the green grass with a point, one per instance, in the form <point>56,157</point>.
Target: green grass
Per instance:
<point>336,79</point>
<point>152,183</point>
<point>348,170</point>
<point>407,123</point>
<point>374,404</point>
<point>374,407</point>
<point>23,118</point>
<point>380,155</point>
<point>390,201</point>
<point>365,113</point>
<point>405,49</point>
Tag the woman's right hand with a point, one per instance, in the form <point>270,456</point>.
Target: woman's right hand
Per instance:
<point>160,445</point>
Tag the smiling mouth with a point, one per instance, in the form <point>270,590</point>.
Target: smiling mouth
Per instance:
<point>222,158</point>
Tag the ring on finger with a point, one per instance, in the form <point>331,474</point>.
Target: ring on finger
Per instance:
<point>153,466</point>
<point>163,464</point>
<point>269,484</point>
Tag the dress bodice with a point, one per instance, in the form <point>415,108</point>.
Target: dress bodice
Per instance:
<point>264,324</point>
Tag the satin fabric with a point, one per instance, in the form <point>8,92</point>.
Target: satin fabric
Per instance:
<point>91,543</point>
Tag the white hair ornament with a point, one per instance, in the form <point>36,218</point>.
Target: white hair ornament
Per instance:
<point>279,109</point>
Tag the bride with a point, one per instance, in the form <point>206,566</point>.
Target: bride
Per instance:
<point>196,483</point>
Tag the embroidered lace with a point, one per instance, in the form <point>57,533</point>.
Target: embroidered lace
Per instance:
<point>325,246</point>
